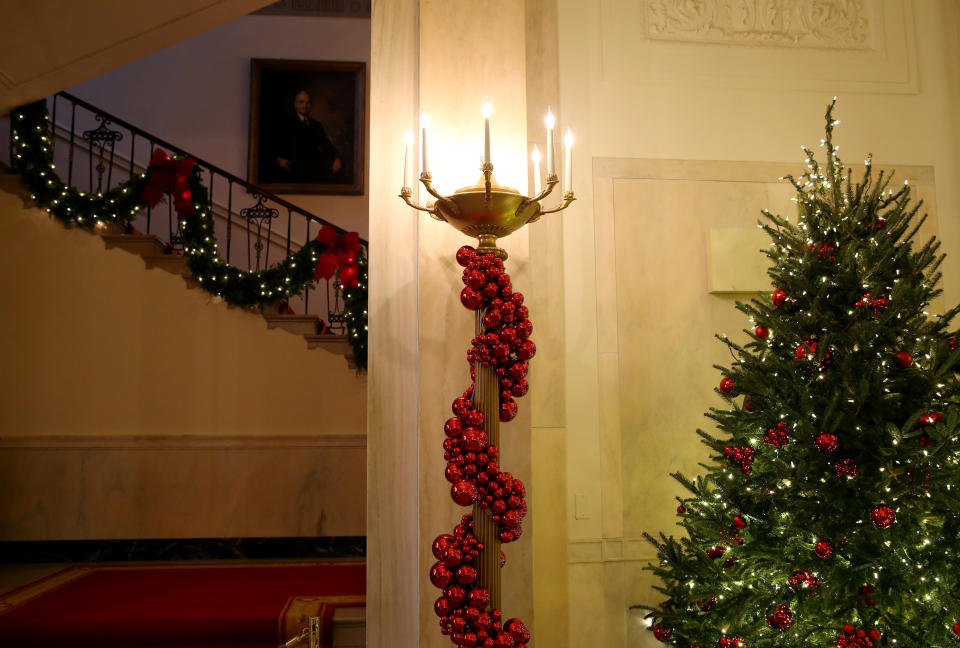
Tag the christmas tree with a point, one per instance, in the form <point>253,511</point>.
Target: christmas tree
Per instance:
<point>829,515</point>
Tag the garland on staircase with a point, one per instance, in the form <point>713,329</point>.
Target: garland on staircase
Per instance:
<point>33,159</point>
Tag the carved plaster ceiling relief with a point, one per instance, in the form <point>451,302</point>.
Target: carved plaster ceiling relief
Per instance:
<point>844,24</point>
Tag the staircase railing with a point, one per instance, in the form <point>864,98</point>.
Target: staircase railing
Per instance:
<point>95,152</point>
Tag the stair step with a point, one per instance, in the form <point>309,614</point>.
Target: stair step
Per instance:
<point>173,263</point>
<point>299,324</point>
<point>145,245</point>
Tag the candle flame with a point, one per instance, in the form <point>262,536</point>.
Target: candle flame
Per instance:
<point>549,121</point>
<point>424,118</point>
<point>408,137</point>
<point>535,156</point>
<point>487,109</point>
<point>568,139</point>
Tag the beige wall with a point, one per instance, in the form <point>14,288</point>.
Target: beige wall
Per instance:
<point>134,406</point>
<point>685,133</point>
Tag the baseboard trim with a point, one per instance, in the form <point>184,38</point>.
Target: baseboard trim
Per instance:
<point>184,442</point>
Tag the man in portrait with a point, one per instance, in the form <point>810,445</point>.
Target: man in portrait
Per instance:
<point>302,151</point>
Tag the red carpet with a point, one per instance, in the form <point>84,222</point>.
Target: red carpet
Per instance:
<point>184,605</point>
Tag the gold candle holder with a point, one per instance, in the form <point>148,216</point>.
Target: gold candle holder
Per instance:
<point>487,211</point>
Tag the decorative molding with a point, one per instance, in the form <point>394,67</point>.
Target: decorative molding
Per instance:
<point>174,442</point>
<point>318,8</point>
<point>831,24</point>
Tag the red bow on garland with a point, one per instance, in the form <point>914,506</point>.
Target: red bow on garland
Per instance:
<point>170,173</point>
<point>341,251</point>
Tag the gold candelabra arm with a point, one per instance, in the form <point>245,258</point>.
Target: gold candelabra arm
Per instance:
<point>426,179</point>
<point>567,199</point>
<point>406,193</point>
<point>552,180</point>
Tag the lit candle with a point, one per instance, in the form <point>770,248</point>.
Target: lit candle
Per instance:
<point>568,163</point>
<point>487,111</point>
<point>408,142</point>
<point>549,121</point>
<point>535,157</point>
<point>424,124</point>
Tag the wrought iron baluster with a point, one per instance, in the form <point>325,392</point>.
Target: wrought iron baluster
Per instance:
<point>53,127</point>
<point>289,221</point>
<point>169,246</point>
<point>266,258</point>
<point>306,291</point>
<point>259,213</point>
<point>99,138</point>
<point>229,215</point>
<point>73,131</point>
<point>133,152</point>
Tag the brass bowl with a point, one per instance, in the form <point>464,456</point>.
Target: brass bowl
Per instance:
<point>487,216</point>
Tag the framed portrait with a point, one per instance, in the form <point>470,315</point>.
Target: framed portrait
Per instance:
<point>306,126</point>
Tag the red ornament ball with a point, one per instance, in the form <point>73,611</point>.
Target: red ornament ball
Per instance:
<point>762,332</point>
<point>440,575</point>
<point>956,628</point>
<point>441,543</point>
<point>739,522</point>
<point>806,350</point>
<point>883,516</point>
<point>662,634</point>
<point>904,359</point>
<point>781,619</point>
<point>526,350</point>
<point>464,492</point>
<point>470,298</point>
<point>726,385</point>
<point>823,548</point>
<point>779,297</point>
<point>681,509</point>
<point>748,404</point>
<point>508,411</point>
<point>465,255</point>
<point>731,642</point>
<point>826,442</point>
<point>931,419</point>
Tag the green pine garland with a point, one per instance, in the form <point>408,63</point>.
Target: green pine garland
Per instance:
<point>33,159</point>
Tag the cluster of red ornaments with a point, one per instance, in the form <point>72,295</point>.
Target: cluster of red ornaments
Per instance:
<point>505,342</point>
<point>851,637</point>
<point>877,306</point>
<point>475,474</point>
<point>803,578</point>
<point>777,436</point>
<point>742,456</point>
<point>781,618</point>
<point>462,607</point>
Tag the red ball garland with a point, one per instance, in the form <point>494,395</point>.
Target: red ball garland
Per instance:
<point>777,436</point>
<point>472,463</point>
